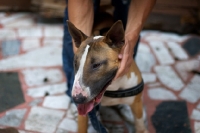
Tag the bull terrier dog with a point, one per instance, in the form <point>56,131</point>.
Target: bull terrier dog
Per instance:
<point>95,65</point>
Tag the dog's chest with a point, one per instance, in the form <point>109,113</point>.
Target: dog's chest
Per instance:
<point>121,83</point>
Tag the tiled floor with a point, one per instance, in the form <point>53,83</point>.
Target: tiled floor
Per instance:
<point>33,51</point>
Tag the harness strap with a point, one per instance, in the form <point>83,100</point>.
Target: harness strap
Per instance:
<point>127,92</point>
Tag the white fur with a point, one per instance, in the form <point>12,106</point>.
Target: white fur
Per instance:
<point>78,76</point>
<point>124,82</point>
<point>97,37</point>
<point>140,124</point>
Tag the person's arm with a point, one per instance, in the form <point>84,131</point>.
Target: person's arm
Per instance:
<point>137,15</point>
<point>81,14</point>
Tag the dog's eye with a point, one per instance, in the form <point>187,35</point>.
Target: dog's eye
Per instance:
<point>96,65</point>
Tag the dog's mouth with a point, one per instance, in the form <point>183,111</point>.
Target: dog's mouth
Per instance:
<point>83,109</point>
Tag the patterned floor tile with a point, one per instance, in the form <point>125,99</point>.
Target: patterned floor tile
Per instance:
<point>169,115</point>
<point>43,57</point>
<point>197,127</point>
<point>13,118</point>
<point>7,34</point>
<point>69,125</point>
<point>149,77</point>
<point>144,58</point>
<point>53,31</point>
<point>43,120</point>
<point>57,102</point>
<point>47,90</point>
<point>161,94</point>
<point>161,52</point>
<point>191,91</point>
<point>30,44</point>
<point>10,47</point>
<point>168,77</point>
<point>195,114</point>
<point>185,68</point>
<point>174,47</point>
<point>30,32</point>
<point>11,93</point>
<point>40,76</point>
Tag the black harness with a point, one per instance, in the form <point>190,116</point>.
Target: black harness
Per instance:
<point>127,92</point>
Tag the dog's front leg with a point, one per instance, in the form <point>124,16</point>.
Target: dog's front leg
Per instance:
<point>82,124</point>
<point>137,110</point>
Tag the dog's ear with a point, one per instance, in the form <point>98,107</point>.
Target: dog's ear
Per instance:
<point>116,35</point>
<point>77,35</point>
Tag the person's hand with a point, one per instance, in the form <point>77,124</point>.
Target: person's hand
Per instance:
<point>126,56</point>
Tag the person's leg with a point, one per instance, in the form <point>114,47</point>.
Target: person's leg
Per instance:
<point>68,56</point>
<point>95,122</point>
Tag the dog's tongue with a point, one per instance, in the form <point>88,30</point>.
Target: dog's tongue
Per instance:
<point>83,109</point>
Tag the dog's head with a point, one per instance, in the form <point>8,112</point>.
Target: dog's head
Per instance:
<point>95,64</point>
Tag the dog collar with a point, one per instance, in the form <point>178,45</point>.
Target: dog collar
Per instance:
<point>125,93</point>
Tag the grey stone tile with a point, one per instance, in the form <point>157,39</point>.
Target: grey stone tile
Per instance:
<point>35,102</point>
<point>40,76</point>
<point>168,77</point>
<point>197,127</point>
<point>30,32</point>
<point>12,18</point>
<point>61,131</point>
<point>156,84</point>
<point>69,125</point>
<point>57,102</point>
<point>198,106</point>
<point>53,31</point>
<point>162,36</point>
<point>43,57</point>
<point>6,34</point>
<point>195,115</point>
<point>47,90</point>
<point>173,37</point>
<point>91,129</point>
<point>177,51</point>
<point>30,44</point>
<point>11,93</point>
<point>10,47</point>
<point>52,42</point>
<point>13,118</point>
<point>191,91</point>
<point>25,22</point>
<point>43,120</point>
<point>161,52</point>
<point>184,68</point>
<point>72,112</point>
<point>144,59</point>
<point>161,94</point>
<point>149,77</point>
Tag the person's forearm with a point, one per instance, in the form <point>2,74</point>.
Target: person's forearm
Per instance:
<point>81,14</point>
<point>138,13</point>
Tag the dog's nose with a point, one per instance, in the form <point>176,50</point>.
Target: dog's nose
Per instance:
<point>79,98</point>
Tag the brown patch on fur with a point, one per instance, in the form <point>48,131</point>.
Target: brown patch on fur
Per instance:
<point>136,106</point>
<point>82,124</point>
<point>100,52</point>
